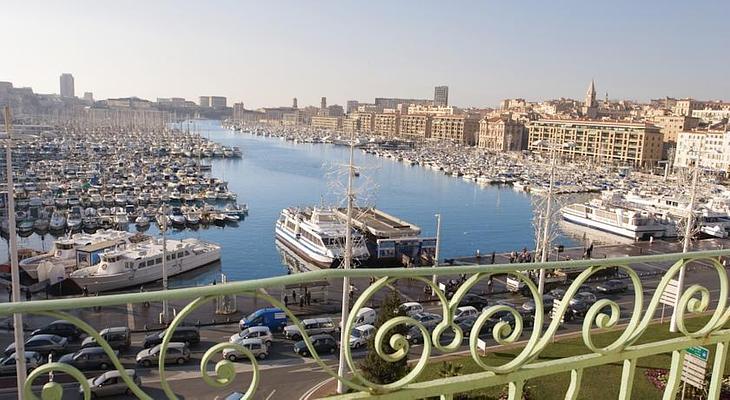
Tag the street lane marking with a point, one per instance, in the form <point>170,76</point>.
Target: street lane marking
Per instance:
<point>270,394</point>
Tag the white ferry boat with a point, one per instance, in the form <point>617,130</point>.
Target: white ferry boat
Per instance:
<point>143,264</point>
<point>638,225</point>
<point>318,236</point>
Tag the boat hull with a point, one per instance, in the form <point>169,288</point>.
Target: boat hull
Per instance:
<point>616,230</point>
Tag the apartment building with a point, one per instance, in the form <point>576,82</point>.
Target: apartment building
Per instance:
<point>415,127</point>
<point>457,128</point>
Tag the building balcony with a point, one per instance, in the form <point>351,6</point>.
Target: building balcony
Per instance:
<point>629,307</point>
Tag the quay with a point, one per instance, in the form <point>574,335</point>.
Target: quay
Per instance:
<point>326,295</point>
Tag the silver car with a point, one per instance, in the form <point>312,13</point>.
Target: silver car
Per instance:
<point>32,361</point>
<point>111,384</point>
<point>257,346</point>
<point>313,326</point>
<point>255,332</point>
<point>177,352</point>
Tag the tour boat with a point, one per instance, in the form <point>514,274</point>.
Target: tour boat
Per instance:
<point>142,264</point>
<point>58,222</point>
<point>635,224</point>
<point>318,235</point>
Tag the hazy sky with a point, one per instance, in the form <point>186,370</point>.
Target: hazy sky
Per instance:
<point>266,52</point>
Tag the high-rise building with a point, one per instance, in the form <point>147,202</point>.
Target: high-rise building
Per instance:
<point>639,144</point>
<point>204,101</point>
<point>218,101</point>
<point>352,106</point>
<point>67,85</point>
<point>89,97</point>
<point>441,96</point>
<point>323,103</point>
<point>294,103</point>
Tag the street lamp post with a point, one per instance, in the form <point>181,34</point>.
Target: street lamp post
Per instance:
<point>165,316</point>
<point>20,370</point>
<point>434,279</point>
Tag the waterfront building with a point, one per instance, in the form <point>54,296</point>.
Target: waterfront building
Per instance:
<point>330,123</point>
<point>415,126</point>
<point>67,86</point>
<point>217,101</point>
<point>351,124</point>
<point>292,118</point>
<point>89,97</point>
<point>502,134</point>
<point>204,101</point>
<point>128,102</point>
<point>335,110</point>
<point>386,124</point>
<point>671,125</point>
<point>238,111</point>
<point>457,128</point>
<point>366,121</point>
<point>441,96</point>
<point>638,144</point>
<point>710,148</point>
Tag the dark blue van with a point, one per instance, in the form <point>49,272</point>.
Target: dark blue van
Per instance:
<point>274,318</point>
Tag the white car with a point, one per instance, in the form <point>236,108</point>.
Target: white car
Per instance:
<point>411,308</point>
<point>360,336</point>
<point>256,346</point>
<point>255,332</point>
<point>465,312</point>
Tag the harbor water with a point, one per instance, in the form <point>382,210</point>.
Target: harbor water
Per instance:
<point>274,174</point>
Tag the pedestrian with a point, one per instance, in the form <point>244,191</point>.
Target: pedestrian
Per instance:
<point>85,291</point>
<point>494,256</point>
<point>489,285</point>
<point>301,301</point>
<point>286,301</point>
<point>294,295</point>
<point>48,289</point>
<point>309,298</point>
<point>28,294</point>
<point>10,294</point>
<point>426,291</point>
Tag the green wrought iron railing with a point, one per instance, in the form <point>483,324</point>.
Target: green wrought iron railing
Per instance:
<point>605,313</point>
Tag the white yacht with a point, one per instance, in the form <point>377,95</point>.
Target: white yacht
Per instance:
<point>635,224</point>
<point>63,251</point>
<point>142,264</point>
<point>58,221</point>
<point>318,235</point>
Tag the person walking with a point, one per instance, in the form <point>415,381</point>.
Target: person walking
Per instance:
<point>494,256</point>
<point>294,295</point>
<point>286,301</point>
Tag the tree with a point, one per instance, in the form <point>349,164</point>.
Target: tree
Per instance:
<point>373,367</point>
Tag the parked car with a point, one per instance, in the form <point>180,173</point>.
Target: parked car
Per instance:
<point>177,352</point>
<point>117,337</point>
<point>557,293</point>
<point>90,358</point>
<point>255,332</point>
<point>583,297</point>
<point>465,312</point>
<point>360,336</point>
<point>110,384</point>
<point>414,334</point>
<point>189,335</point>
<point>61,328</point>
<point>585,288</point>
<point>426,317</point>
<point>322,344</point>
<point>32,361</point>
<point>231,396</point>
<point>273,318</point>
<point>257,346</point>
<point>612,286</point>
<point>411,308</point>
<point>43,344</point>
<point>313,326</point>
<point>474,300</point>
<point>547,304</point>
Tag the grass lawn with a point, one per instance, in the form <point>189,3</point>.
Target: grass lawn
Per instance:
<point>598,383</point>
